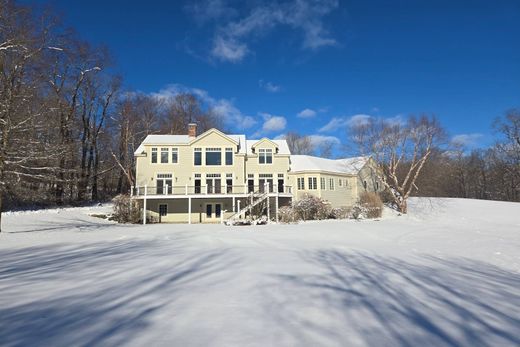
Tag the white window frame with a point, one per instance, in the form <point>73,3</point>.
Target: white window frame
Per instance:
<point>331,184</point>
<point>300,183</point>
<point>312,183</point>
<point>265,153</point>
<point>167,151</point>
<point>175,151</point>
<point>156,152</point>
<point>323,183</point>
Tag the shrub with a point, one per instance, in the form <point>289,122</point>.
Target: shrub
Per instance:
<point>126,210</point>
<point>286,214</point>
<point>340,213</point>
<point>311,207</point>
<point>371,205</point>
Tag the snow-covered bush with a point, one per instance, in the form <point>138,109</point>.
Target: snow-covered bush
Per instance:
<point>340,213</point>
<point>126,210</point>
<point>370,205</point>
<point>311,207</point>
<point>286,214</point>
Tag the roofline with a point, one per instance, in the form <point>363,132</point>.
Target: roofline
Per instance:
<point>212,130</point>
<point>322,171</point>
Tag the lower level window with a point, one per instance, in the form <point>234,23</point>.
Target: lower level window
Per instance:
<point>163,210</point>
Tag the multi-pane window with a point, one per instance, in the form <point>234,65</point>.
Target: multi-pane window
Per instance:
<point>197,156</point>
<point>340,182</point>
<point>175,155</point>
<point>229,156</point>
<point>313,183</point>
<point>301,183</point>
<point>323,183</point>
<point>265,156</point>
<point>154,155</point>
<point>331,183</point>
<point>164,155</point>
<point>213,156</point>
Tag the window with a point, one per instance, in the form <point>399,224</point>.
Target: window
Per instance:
<point>313,183</point>
<point>265,156</point>
<point>340,182</point>
<point>365,185</point>
<point>163,210</point>
<point>301,183</point>
<point>164,155</point>
<point>280,175</point>
<point>377,186</point>
<point>154,155</point>
<point>213,156</point>
<point>197,158</point>
<point>323,183</point>
<point>229,156</point>
<point>175,155</point>
<point>331,183</point>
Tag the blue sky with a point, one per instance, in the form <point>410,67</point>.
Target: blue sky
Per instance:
<point>317,66</point>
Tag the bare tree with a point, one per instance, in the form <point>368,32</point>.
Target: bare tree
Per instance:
<point>299,144</point>
<point>26,153</point>
<point>400,151</point>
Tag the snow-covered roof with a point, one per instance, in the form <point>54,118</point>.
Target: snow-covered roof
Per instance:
<point>283,147</point>
<point>183,139</point>
<point>349,166</point>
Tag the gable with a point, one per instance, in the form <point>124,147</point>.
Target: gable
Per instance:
<point>264,143</point>
<point>213,137</point>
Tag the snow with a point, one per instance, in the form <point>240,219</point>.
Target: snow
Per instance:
<point>172,140</point>
<point>447,274</point>
<point>350,166</point>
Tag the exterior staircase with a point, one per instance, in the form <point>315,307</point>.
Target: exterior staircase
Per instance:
<point>256,198</point>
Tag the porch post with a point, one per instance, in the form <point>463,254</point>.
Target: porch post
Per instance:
<point>277,205</point>
<point>144,203</point>
<point>239,208</point>
<point>233,204</point>
<point>189,210</point>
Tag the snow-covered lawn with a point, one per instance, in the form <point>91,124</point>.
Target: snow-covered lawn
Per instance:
<point>448,274</point>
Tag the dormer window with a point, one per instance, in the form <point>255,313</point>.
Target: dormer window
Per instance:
<point>265,156</point>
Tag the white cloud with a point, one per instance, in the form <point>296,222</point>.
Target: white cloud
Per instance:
<point>358,120</point>
<point>318,140</point>
<point>273,123</point>
<point>334,124</point>
<point>466,140</point>
<point>227,49</point>
<point>269,86</point>
<point>306,113</point>
<point>207,10</point>
<point>305,16</point>
<point>223,108</point>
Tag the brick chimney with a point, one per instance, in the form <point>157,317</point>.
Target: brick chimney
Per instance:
<point>192,130</point>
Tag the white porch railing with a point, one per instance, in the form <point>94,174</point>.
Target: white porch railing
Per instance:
<point>208,190</point>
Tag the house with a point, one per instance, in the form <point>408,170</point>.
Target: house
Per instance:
<point>212,177</point>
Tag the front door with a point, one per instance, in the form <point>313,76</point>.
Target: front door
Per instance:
<point>250,186</point>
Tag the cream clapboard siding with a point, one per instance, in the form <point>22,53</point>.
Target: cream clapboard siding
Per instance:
<point>341,196</point>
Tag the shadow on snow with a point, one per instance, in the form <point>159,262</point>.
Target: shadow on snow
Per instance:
<point>86,305</point>
<point>383,301</point>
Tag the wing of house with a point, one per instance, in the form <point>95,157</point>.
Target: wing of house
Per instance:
<point>215,176</point>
